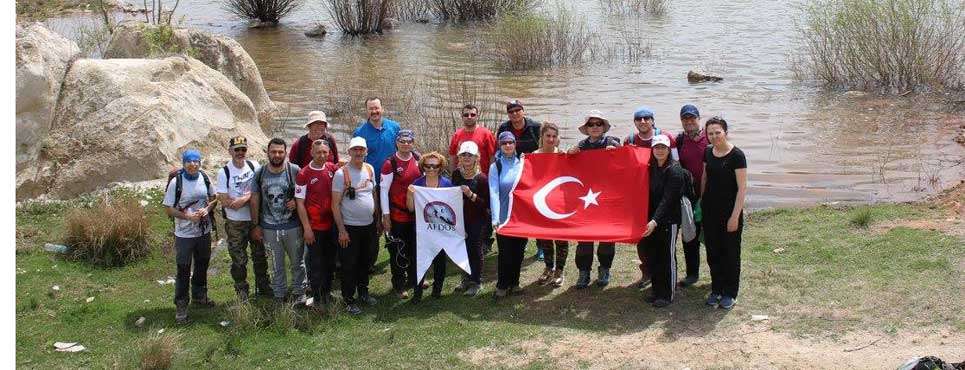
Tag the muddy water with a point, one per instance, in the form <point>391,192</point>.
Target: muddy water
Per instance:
<point>803,145</point>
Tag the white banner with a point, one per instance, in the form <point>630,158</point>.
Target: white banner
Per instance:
<point>439,227</point>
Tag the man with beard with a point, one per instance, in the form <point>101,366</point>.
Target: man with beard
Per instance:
<point>273,205</point>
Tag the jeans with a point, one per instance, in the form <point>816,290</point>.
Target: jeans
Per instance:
<point>287,243</point>
<point>198,251</point>
<point>474,249</point>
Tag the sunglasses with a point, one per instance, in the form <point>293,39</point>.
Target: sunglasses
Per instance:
<point>430,166</point>
<point>514,110</point>
<point>467,155</point>
<point>594,124</point>
<point>467,115</point>
<point>241,150</point>
<point>507,143</point>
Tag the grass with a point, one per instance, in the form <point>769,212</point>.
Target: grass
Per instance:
<point>829,278</point>
<point>111,233</point>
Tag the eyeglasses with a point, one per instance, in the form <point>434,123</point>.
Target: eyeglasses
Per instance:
<point>467,115</point>
<point>432,166</point>
<point>241,150</point>
<point>514,110</point>
<point>507,143</point>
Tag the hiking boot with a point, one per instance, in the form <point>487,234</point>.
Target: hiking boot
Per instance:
<point>727,303</point>
<point>545,277</point>
<point>472,291</point>
<point>584,280</point>
<point>558,278</point>
<point>367,299</point>
<point>181,313</point>
<point>713,299</point>
<point>689,281</point>
<point>353,309</point>
<point>660,303</point>
<point>203,302</point>
<point>603,277</point>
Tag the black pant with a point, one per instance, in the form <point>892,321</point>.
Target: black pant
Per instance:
<point>555,258</point>
<point>356,259</point>
<point>692,253</point>
<point>474,249</point>
<point>510,260</point>
<point>723,254</point>
<point>438,274</point>
<point>584,255</point>
<point>198,250</point>
<point>321,258</point>
<point>402,255</point>
<point>661,260</point>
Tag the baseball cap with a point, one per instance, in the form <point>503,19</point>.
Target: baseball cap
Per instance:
<point>405,134</point>
<point>507,136</point>
<point>660,140</point>
<point>469,147</point>
<point>238,142</point>
<point>513,104</point>
<point>316,116</point>
<point>356,142</point>
<point>689,110</point>
<point>643,112</point>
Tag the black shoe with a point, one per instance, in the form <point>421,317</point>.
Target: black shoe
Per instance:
<point>353,309</point>
<point>660,303</point>
<point>181,314</point>
<point>689,281</point>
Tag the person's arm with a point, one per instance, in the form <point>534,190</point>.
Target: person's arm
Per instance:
<point>307,233</point>
<point>703,180</point>
<point>338,185</point>
<point>384,191</point>
<point>410,198</point>
<point>741,174</point>
<point>221,190</point>
<point>494,193</point>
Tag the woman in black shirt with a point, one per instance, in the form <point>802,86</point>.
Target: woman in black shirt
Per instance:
<point>723,188</point>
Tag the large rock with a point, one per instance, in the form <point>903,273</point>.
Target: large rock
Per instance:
<point>221,53</point>
<point>43,58</point>
<point>128,120</point>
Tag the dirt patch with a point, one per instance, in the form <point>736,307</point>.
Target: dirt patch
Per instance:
<point>750,346</point>
<point>950,220</point>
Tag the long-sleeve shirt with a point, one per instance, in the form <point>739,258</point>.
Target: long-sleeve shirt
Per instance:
<point>501,185</point>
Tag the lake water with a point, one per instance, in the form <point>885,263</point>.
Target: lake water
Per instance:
<point>804,145</point>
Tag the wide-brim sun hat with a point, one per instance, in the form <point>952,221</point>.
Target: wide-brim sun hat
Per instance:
<point>594,114</point>
<point>316,116</point>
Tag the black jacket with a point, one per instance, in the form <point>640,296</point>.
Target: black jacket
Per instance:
<point>528,142</point>
<point>666,189</point>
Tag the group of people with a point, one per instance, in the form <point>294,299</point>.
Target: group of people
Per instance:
<point>320,215</point>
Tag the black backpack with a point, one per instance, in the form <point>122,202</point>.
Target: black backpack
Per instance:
<point>304,145</point>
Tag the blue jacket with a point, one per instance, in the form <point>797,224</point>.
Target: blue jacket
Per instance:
<point>380,143</point>
<point>501,185</point>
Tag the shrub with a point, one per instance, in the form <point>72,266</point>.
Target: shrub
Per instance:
<point>861,218</point>
<point>471,10</point>
<point>158,351</point>
<point>112,232</point>
<point>270,11</point>
<point>885,45</point>
<point>526,40</point>
<point>632,7</point>
<point>358,17</point>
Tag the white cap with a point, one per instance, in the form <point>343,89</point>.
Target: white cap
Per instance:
<point>316,116</point>
<point>469,147</point>
<point>356,142</point>
<point>660,139</point>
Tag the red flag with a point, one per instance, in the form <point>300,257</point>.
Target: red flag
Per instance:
<point>594,195</point>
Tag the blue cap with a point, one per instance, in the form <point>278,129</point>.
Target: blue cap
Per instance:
<point>643,112</point>
<point>191,155</point>
<point>405,134</point>
<point>689,110</point>
<point>507,136</point>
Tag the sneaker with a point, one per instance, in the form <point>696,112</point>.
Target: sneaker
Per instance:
<point>367,299</point>
<point>558,278</point>
<point>545,277</point>
<point>727,303</point>
<point>425,284</point>
<point>299,301</point>
<point>500,293</point>
<point>713,299</point>
<point>688,281</point>
<point>584,280</point>
<point>353,309</point>
<point>181,313</point>
<point>603,277</point>
<point>472,291</point>
<point>660,303</point>
<point>203,302</point>
<point>539,254</point>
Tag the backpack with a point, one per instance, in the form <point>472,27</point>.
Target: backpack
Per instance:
<point>227,175</point>
<point>179,188</point>
<point>304,145</point>
<point>688,225</point>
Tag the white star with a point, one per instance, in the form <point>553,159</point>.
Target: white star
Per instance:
<point>590,198</point>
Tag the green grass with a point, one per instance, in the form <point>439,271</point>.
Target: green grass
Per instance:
<point>830,278</point>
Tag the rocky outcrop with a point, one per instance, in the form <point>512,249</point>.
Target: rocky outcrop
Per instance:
<point>317,30</point>
<point>221,53</point>
<point>696,77</point>
<point>129,120</point>
<point>43,58</point>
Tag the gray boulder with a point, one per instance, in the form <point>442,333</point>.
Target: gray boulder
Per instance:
<point>696,77</point>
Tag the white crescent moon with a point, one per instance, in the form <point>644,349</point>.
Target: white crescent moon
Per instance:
<point>539,199</point>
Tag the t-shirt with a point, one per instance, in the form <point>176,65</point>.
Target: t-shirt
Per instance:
<point>380,142</point>
<point>691,154</point>
<point>314,185</point>
<point>194,196</point>
<point>236,184</point>
<point>276,189</point>
<point>721,191</point>
<point>398,180</point>
<point>359,211</point>
<point>483,138</point>
<point>606,141</point>
<point>474,212</point>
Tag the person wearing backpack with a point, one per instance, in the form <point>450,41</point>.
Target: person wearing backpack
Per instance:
<point>691,144</point>
<point>354,211</point>
<point>234,192</point>
<point>273,206</point>
<point>189,199</point>
<point>398,172</point>
<point>667,181</point>
<point>301,151</point>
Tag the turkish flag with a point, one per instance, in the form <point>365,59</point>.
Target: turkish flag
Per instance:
<point>594,195</point>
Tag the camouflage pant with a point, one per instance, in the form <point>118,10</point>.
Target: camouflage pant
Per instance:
<point>239,238</point>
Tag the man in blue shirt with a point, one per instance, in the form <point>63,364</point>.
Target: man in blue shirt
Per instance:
<point>379,134</point>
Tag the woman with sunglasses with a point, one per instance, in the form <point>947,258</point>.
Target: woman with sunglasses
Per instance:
<point>554,251</point>
<point>432,165</point>
<point>502,176</point>
<point>475,196</point>
<point>595,128</point>
<point>723,188</point>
